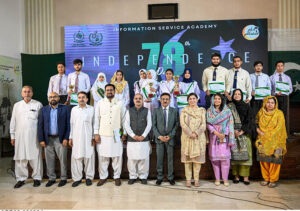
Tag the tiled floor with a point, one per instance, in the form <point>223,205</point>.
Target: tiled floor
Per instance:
<point>139,196</point>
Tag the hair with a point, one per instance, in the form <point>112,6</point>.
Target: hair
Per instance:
<point>215,55</point>
<point>222,101</point>
<point>191,94</point>
<point>84,93</point>
<point>107,85</point>
<point>236,91</point>
<point>258,62</point>
<point>279,61</point>
<point>60,62</point>
<point>120,71</point>
<point>165,94</point>
<point>273,98</point>
<point>235,57</point>
<point>170,71</point>
<point>77,61</point>
<point>29,87</point>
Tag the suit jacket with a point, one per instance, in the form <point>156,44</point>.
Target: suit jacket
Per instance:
<point>158,124</point>
<point>63,123</point>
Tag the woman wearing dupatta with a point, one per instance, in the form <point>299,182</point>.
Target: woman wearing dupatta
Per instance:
<point>139,84</point>
<point>271,140</point>
<point>149,90</point>
<point>244,130</point>
<point>122,88</point>
<point>98,88</point>
<point>193,138</point>
<point>187,86</point>
<point>221,137</point>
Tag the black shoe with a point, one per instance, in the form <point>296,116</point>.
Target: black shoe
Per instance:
<point>50,183</point>
<point>36,183</point>
<point>101,182</point>
<point>159,181</point>
<point>247,182</point>
<point>19,184</point>
<point>76,183</point>
<point>88,182</point>
<point>235,181</point>
<point>62,183</point>
<point>144,181</point>
<point>131,181</point>
<point>172,182</point>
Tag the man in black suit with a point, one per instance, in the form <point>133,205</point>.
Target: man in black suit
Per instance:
<point>165,122</point>
<point>54,131</point>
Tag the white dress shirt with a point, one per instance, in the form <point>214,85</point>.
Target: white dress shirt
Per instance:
<point>55,86</point>
<point>243,81</point>
<point>83,81</point>
<point>221,73</point>
<point>263,80</point>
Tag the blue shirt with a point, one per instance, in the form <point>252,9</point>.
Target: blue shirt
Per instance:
<point>263,80</point>
<point>285,78</point>
<point>53,130</point>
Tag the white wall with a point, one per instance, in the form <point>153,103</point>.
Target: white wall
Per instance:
<point>12,25</point>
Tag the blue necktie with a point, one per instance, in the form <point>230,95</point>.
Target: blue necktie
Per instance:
<point>215,74</point>
<point>235,79</point>
<point>165,119</point>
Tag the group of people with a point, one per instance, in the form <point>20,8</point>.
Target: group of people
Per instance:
<point>234,118</point>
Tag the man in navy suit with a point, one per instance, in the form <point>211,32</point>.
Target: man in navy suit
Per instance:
<point>54,131</point>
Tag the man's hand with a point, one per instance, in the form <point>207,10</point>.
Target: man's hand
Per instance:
<point>141,138</point>
<point>43,143</point>
<point>247,101</point>
<point>97,138</point>
<point>162,138</point>
<point>253,93</point>
<point>207,92</point>
<point>65,142</point>
<point>93,142</point>
<point>70,142</point>
<point>167,138</point>
<point>124,137</point>
<point>12,141</point>
<point>228,96</point>
<point>136,138</point>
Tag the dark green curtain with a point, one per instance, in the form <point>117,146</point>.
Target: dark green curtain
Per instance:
<point>36,72</point>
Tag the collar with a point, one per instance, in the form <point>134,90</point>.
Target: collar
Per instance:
<point>165,108</point>
<point>53,108</point>
<point>277,73</point>
<point>258,74</point>
<point>63,75</point>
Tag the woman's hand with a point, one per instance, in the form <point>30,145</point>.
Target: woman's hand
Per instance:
<point>260,132</point>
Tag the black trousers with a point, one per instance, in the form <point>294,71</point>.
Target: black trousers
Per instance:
<point>256,106</point>
<point>283,104</point>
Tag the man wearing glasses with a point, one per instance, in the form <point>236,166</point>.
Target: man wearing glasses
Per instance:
<point>54,131</point>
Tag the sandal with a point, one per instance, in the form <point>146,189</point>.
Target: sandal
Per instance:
<point>217,183</point>
<point>264,183</point>
<point>188,183</point>
<point>197,183</point>
<point>226,184</point>
<point>272,185</point>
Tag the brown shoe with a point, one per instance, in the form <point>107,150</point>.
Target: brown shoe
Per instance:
<point>117,182</point>
<point>101,182</point>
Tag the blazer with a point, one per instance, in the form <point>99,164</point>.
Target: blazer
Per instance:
<point>63,123</point>
<point>158,124</point>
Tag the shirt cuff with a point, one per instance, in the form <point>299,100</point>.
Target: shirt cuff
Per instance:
<point>12,136</point>
<point>96,132</point>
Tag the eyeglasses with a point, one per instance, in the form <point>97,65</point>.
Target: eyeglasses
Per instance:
<point>53,97</point>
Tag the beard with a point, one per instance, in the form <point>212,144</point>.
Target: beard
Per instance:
<point>53,102</point>
<point>215,65</point>
<point>110,96</point>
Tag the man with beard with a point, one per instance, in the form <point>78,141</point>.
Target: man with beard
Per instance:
<point>109,119</point>
<point>138,125</point>
<point>54,131</point>
<point>215,73</point>
<point>24,137</point>
<point>82,141</point>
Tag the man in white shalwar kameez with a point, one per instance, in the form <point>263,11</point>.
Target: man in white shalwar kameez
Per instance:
<point>82,142</point>
<point>138,124</point>
<point>109,118</point>
<point>24,136</point>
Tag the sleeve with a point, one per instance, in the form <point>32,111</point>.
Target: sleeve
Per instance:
<point>202,128</point>
<point>211,128</point>
<point>41,127</point>
<point>154,124</point>
<point>159,90</point>
<point>269,84</point>
<point>184,126</point>
<point>13,123</point>
<point>50,87</point>
<point>97,119</point>
<point>149,124</point>
<point>248,86</point>
<point>96,97</point>
<point>68,113</point>
<point>173,131</point>
<point>123,116</point>
<point>291,85</point>
<point>197,90</point>
<point>71,124</point>
<point>93,122</point>
<point>127,95</point>
<point>136,88</point>
<point>252,78</point>
<point>228,81</point>
<point>69,82</point>
<point>272,79</point>
<point>204,80</point>
<point>87,83</point>
<point>127,125</point>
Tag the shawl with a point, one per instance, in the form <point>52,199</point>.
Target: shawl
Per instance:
<point>119,86</point>
<point>272,124</point>
<point>223,118</point>
<point>98,86</point>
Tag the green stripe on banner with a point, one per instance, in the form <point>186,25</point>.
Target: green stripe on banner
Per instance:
<point>268,88</point>
<point>215,92</point>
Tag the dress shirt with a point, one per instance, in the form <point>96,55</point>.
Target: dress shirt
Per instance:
<point>222,75</point>
<point>285,78</point>
<point>263,80</point>
<point>243,81</point>
<point>54,84</point>
<point>53,130</point>
<point>83,81</point>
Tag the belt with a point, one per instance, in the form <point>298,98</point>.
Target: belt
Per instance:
<point>53,136</point>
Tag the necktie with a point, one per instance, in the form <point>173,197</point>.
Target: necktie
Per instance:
<point>165,119</point>
<point>235,79</point>
<point>280,77</point>
<point>215,74</point>
<point>76,83</point>
<point>60,89</point>
<point>256,81</point>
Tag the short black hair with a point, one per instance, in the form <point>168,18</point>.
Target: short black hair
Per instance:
<point>235,57</point>
<point>215,55</point>
<point>222,99</point>
<point>258,62</point>
<point>84,93</point>
<point>113,86</point>
<point>191,94</point>
<point>165,93</point>
<point>60,62</point>
<point>77,61</point>
<point>170,71</point>
<point>279,61</point>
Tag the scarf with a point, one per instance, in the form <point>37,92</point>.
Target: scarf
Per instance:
<point>184,80</point>
<point>119,86</point>
<point>98,86</point>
